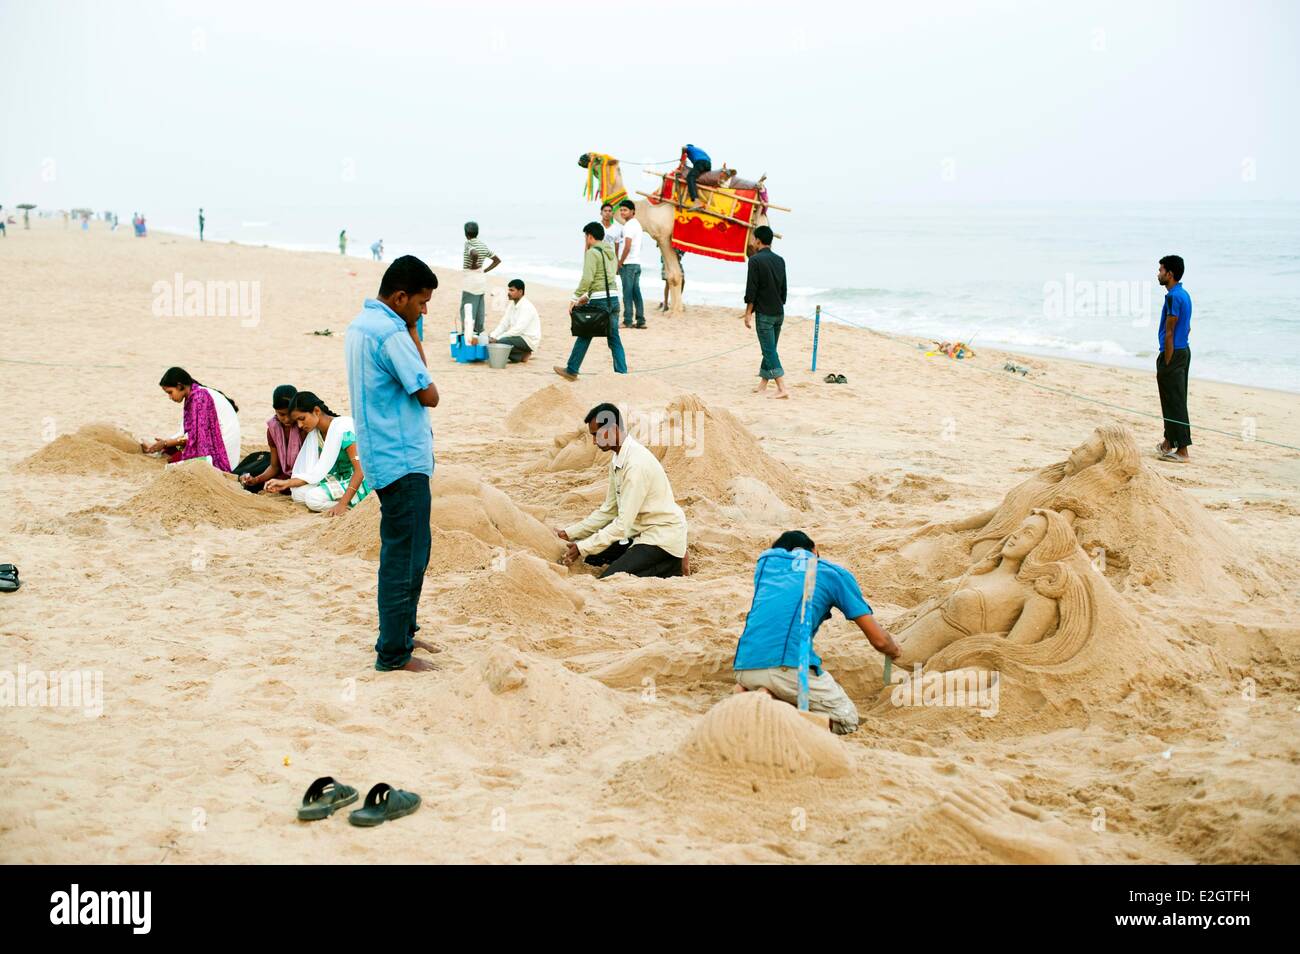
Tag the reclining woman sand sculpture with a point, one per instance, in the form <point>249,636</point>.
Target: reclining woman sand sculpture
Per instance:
<point>1028,593</point>
<point>1097,468</point>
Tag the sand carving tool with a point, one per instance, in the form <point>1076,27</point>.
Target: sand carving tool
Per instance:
<point>805,628</point>
<point>889,668</point>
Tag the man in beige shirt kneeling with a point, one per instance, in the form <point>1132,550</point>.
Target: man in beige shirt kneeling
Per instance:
<point>639,529</point>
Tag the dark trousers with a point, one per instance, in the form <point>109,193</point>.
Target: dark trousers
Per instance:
<point>639,559</point>
<point>696,170</point>
<point>404,543</point>
<point>1171,379</point>
<point>518,348</point>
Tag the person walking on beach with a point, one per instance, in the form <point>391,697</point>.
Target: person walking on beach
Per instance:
<point>596,286</point>
<point>201,221</point>
<point>700,164</point>
<point>377,251</point>
<point>639,529</point>
<point>1173,360</point>
<point>629,265</point>
<point>765,305</point>
<point>474,288</point>
<point>390,387</point>
<point>343,242</point>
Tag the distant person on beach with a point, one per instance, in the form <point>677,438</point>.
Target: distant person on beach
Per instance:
<point>1173,360</point>
<point>700,164</point>
<point>663,274</point>
<point>283,438</point>
<point>474,288</point>
<point>343,242</point>
<point>202,220</point>
<point>767,654</point>
<point>629,265</point>
<point>765,305</point>
<point>597,287</point>
<point>613,228</point>
<point>390,388</point>
<point>209,423</point>
<point>327,474</point>
<point>377,251</point>
<point>639,529</point>
<point>520,327</point>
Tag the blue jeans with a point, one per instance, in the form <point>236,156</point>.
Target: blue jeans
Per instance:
<point>580,345</point>
<point>769,333</point>
<point>404,544</point>
<point>630,276</point>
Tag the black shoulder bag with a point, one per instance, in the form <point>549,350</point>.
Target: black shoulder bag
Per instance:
<point>592,320</point>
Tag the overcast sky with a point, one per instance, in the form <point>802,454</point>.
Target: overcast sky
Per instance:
<point>386,103</point>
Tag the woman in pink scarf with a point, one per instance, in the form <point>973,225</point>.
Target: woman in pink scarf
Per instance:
<point>210,427</point>
<point>283,437</point>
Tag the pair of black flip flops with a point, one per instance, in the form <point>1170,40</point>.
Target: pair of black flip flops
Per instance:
<point>835,379</point>
<point>9,578</point>
<point>383,802</point>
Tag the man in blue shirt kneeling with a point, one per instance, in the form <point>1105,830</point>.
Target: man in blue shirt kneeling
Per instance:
<point>767,657</point>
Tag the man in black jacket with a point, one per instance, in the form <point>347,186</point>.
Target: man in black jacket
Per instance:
<point>765,301</point>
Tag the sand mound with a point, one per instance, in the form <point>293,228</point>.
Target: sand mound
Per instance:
<point>751,730</point>
<point>532,702</point>
<point>525,591</point>
<point>562,406</point>
<point>196,492</point>
<point>664,662</point>
<point>473,523</point>
<point>96,450</point>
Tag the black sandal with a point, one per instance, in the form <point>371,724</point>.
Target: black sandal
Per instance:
<point>9,578</point>
<point>324,797</point>
<point>384,803</point>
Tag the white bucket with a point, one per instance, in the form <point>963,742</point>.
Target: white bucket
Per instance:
<point>498,355</point>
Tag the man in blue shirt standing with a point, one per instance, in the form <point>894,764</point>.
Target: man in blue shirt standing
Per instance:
<point>767,656</point>
<point>1173,359</point>
<point>390,387</point>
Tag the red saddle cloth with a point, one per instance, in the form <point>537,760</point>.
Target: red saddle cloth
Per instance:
<point>712,235</point>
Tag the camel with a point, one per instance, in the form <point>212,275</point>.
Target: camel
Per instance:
<point>657,220</point>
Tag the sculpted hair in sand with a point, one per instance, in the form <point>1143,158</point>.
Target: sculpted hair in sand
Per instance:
<point>1080,492</point>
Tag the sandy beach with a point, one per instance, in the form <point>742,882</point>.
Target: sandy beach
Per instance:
<point>577,720</point>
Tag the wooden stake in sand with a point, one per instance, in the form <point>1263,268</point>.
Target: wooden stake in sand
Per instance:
<point>805,629</point>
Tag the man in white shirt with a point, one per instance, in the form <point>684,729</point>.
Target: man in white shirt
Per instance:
<point>613,229</point>
<point>520,327</point>
<point>629,265</point>
<point>639,529</point>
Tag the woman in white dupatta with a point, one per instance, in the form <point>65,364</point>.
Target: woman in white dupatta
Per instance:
<point>327,476</point>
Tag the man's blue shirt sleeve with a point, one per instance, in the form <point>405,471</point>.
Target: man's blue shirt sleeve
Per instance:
<point>400,359</point>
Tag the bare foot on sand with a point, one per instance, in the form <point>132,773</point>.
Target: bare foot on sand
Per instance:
<point>760,388</point>
<point>1015,832</point>
<point>781,396</point>
<point>417,665</point>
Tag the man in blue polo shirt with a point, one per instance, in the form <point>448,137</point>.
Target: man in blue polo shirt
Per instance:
<point>1173,359</point>
<point>767,657</point>
<point>390,387</point>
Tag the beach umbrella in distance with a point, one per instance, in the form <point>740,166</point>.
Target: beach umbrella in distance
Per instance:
<point>27,208</point>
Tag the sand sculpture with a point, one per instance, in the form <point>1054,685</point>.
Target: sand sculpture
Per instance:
<point>1139,529</point>
<point>753,731</point>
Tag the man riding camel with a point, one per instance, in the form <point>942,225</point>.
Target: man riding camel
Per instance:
<point>700,164</point>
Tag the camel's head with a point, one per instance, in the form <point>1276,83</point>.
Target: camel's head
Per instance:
<point>584,160</point>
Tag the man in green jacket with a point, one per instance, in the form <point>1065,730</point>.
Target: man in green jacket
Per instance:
<point>599,286</point>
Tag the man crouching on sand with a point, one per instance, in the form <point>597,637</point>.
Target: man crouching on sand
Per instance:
<point>639,529</point>
<point>390,388</point>
<point>767,657</point>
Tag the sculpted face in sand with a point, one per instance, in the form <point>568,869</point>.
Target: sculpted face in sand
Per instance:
<point>1095,469</point>
<point>1024,593</point>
